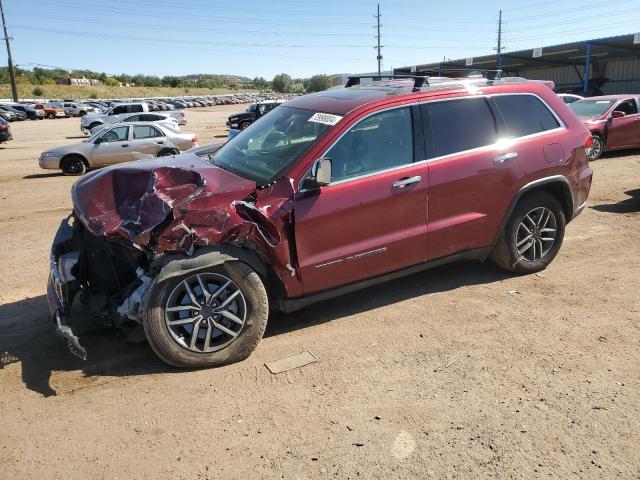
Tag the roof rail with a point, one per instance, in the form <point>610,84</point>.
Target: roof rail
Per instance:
<point>418,81</point>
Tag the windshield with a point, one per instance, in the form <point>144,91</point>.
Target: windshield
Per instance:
<point>252,107</point>
<point>591,108</point>
<point>266,149</point>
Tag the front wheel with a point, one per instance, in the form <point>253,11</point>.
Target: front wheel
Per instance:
<point>533,235</point>
<point>208,318</point>
<point>244,125</point>
<point>73,165</point>
<point>51,116</point>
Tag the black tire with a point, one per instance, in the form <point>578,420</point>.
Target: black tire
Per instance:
<point>82,113</point>
<point>51,116</point>
<point>174,353</point>
<point>597,147</point>
<point>506,254</point>
<point>166,152</point>
<point>244,125</point>
<point>73,165</point>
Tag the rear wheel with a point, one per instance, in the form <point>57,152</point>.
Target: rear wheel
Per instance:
<point>73,165</point>
<point>533,235</point>
<point>51,116</point>
<point>244,125</point>
<point>207,318</point>
<point>597,147</point>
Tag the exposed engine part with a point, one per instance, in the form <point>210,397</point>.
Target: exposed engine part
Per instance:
<point>131,307</point>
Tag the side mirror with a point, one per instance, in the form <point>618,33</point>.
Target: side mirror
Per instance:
<point>320,174</point>
<point>618,114</point>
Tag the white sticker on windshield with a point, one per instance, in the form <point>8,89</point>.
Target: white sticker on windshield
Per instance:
<point>325,118</point>
<point>603,101</point>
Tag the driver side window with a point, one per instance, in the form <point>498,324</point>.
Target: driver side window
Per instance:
<point>120,134</point>
<point>628,107</point>
<point>379,142</point>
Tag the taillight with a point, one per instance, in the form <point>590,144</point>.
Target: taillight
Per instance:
<point>182,113</point>
<point>194,140</point>
<point>588,143</point>
<point>2,127</point>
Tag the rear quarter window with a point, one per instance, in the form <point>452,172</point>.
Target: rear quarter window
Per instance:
<point>525,114</point>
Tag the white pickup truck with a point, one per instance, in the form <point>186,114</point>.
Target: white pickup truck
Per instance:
<point>90,121</point>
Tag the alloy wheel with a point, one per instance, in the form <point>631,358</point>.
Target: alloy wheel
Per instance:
<point>205,312</point>
<point>536,234</point>
<point>596,148</point>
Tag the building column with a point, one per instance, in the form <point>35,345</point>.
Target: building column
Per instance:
<point>587,67</point>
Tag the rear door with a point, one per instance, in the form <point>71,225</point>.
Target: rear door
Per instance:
<point>465,182</point>
<point>624,131</point>
<point>480,149</point>
<point>147,140</point>
<point>114,148</point>
<point>372,218</point>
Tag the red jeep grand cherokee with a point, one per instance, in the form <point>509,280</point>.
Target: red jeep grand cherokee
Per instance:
<point>329,193</point>
<point>614,122</point>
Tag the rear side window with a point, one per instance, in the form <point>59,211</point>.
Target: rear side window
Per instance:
<point>525,115</point>
<point>145,131</point>
<point>458,125</point>
<point>118,110</point>
<point>136,108</point>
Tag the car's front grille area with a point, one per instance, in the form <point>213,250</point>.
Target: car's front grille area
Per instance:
<point>107,265</point>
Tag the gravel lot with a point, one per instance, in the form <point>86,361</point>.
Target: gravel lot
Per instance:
<point>458,372</point>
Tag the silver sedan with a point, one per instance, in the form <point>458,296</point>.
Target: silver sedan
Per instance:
<point>119,142</point>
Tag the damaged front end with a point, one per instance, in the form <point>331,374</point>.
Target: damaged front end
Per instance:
<point>131,220</point>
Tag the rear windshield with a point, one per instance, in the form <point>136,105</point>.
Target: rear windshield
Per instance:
<point>591,108</point>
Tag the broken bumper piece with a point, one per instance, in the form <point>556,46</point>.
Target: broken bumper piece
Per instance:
<point>59,287</point>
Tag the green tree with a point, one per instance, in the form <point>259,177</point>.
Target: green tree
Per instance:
<point>37,92</point>
<point>318,83</point>
<point>111,82</point>
<point>281,83</point>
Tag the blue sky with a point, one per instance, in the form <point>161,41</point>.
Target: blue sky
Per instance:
<point>299,37</point>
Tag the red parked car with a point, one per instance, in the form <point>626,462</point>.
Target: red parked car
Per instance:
<point>613,120</point>
<point>49,111</point>
<point>329,193</point>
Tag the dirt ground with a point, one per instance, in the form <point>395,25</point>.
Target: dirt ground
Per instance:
<point>459,372</point>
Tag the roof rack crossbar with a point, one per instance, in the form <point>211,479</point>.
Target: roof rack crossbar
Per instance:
<point>418,80</point>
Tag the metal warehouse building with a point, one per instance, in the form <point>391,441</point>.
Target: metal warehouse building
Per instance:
<point>590,67</point>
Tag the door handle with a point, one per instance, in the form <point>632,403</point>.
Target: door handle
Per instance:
<point>504,158</point>
<point>403,182</point>
<point>125,145</point>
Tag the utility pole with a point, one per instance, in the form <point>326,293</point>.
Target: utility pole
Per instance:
<point>499,49</point>
<point>379,47</point>
<point>12,73</point>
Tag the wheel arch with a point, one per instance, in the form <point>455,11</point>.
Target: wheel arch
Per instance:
<point>167,267</point>
<point>556,185</point>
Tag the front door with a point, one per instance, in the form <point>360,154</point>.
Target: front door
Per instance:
<point>372,218</point>
<point>113,148</point>
<point>624,131</point>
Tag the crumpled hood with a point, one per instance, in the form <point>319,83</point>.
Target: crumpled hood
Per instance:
<point>132,200</point>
